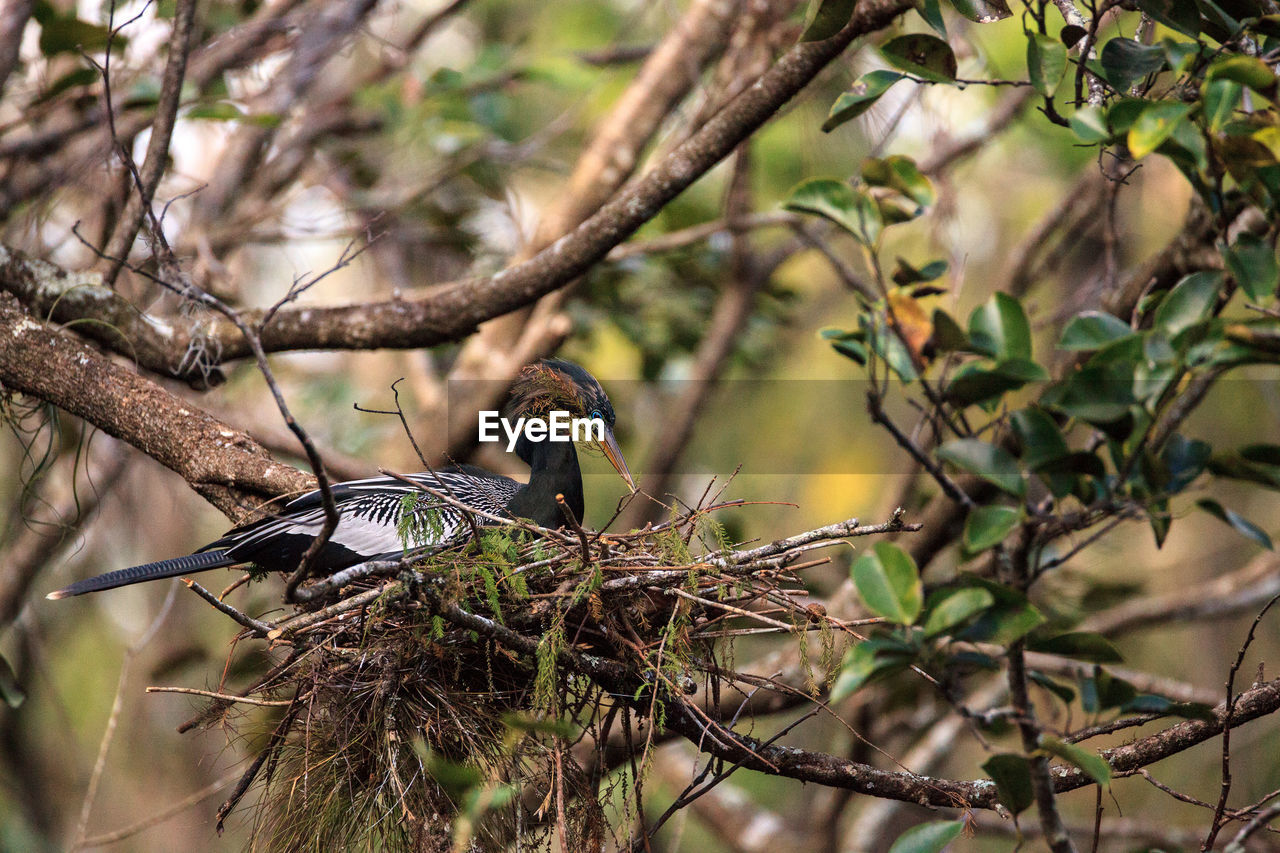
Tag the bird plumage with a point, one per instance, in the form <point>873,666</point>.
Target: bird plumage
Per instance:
<point>382,518</point>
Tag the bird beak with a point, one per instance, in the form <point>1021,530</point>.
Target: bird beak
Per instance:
<point>612,452</point>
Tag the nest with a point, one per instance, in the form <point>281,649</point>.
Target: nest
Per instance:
<point>454,701</point>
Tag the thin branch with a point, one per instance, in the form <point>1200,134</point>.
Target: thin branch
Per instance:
<point>259,628</point>
<point>224,697</point>
<point>113,719</point>
<point>1218,822</point>
<point>157,156</point>
<point>161,816</point>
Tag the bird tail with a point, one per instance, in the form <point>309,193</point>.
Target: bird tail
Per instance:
<point>198,562</point>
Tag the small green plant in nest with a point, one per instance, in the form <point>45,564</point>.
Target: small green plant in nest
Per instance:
<point>453,701</point>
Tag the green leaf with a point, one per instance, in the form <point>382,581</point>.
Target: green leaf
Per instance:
<point>538,725</point>
<point>1123,113</point>
<point>851,345</point>
<point>1220,99</point>
<point>216,111</point>
<point>1086,759</point>
<point>10,691</point>
<point>1071,34</point>
<point>923,55</point>
<point>947,334</point>
<point>1046,62</point>
<point>904,274</point>
<point>857,668</point>
<point>977,383</point>
<point>70,80</point>
<point>956,607</point>
<point>1154,125</point>
<point>999,328</point>
<point>1242,525</point>
<point>989,462</point>
<point>1253,265</point>
<point>1218,24</point>
<point>1093,330</point>
<point>1038,436</point>
<point>853,350</point>
<point>1161,520</point>
<point>454,777</point>
<point>1089,125</point>
<point>1102,690</point>
<point>840,203</point>
<point>1076,462</point>
<point>982,11</point>
<point>72,35</point>
<point>1081,645</point>
<point>900,173</point>
<point>987,526</point>
<point>1183,55</point>
<point>869,660</point>
<point>1012,775</point>
<point>1236,467</point>
<point>1121,355</point>
<point>928,837</point>
<point>1262,454</point>
<point>829,18</point>
<point>889,347</point>
<point>1190,301</point>
<point>932,14</point>
<point>1125,61</point>
<point>1185,458</point>
<point>861,95</point>
<point>1177,15</point>
<point>889,584</point>
<point>1007,621</point>
<point>1245,70</point>
<point>1062,691</point>
<point>1149,703</point>
<point>1004,625</point>
<point>1096,394</point>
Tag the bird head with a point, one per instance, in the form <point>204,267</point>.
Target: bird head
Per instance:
<point>556,385</point>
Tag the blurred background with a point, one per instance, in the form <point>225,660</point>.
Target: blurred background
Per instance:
<point>448,151</point>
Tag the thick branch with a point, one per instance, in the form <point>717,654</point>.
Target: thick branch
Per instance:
<point>223,464</point>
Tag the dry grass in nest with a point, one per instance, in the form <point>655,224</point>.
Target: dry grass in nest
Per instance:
<point>439,702</point>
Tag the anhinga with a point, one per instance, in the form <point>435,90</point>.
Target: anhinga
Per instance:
<point>371,512</point>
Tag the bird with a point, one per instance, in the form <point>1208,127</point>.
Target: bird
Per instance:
<point>383,518</point>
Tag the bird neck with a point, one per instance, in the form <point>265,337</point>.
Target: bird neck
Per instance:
<point>553,470</point>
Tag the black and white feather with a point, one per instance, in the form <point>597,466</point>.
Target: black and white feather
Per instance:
<point>377,520</point>
<point>384,518</point>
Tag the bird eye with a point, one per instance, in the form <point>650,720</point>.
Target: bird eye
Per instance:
<point>595,415</point>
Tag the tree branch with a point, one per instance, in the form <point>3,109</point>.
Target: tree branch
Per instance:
<point>455,311</point>
<point>222,464</point>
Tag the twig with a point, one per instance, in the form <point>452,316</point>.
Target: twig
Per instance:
<point>153,165</point>
<point>113,719</point>
<point>925,460</point>
<point>224,697</point>
<point>1259,821</point>
<point>1218,812</point>
<point>161,816</point>
<point>259,628</point>
<point>577,528</point>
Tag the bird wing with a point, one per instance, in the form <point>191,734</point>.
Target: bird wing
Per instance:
<point>378,518</point>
